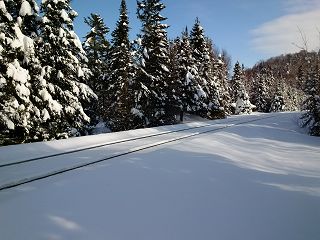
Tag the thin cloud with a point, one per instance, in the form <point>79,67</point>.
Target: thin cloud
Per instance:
<point>285,34</point>
<point>298,6</point>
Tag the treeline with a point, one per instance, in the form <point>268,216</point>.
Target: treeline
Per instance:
<point>288,82</point>
<point>53,86</point>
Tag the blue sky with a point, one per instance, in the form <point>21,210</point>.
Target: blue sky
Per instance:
<point>250,30</point>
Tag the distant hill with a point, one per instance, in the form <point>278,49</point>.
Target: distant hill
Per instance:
<point>281,77</point>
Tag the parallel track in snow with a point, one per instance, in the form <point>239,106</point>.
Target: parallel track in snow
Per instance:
<point>106,144</point>
<point>25,180</point>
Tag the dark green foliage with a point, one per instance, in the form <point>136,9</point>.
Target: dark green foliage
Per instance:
<point>153,75</point>
<point>311,118</point>
<point>97,48</point>
<point>261,91</point>
<point>64,70</point>
<point>16,110</point>
<point>119,82</point>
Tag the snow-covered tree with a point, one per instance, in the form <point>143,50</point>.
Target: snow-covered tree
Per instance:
<point>186,75</point>
<point>225,89</point>
<point>16,52</point>
<point>260,96</point>
<point>201,58</point>
<point>64,72</point>
<point>26,14</point>
<point>97,48</point>
<point>311,105</point>
<point>241,101</point>
<point>278,99</point>
<point>153,100</point>
<point>120,109</point>
<point>208,86</point>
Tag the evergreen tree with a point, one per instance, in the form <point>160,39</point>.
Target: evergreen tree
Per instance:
<point>187,75</point>
<point>64,72</point>
<point>175,68</point>
<point>208,88</point>
<point>16,50</point>
<point>311,118</point>
<point>121,75</point>
<point>260,96</point>
<point>154,96</point>
<point>278,100</point>
<point>200,54</point>
<point>26,13</point>
<point>241,102</point>
<point>218,95</point>
<point>97,48</point>
<point>222,77</point>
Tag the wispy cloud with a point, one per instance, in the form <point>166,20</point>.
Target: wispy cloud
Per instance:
<point>294,6</point>
<point>284,34</point>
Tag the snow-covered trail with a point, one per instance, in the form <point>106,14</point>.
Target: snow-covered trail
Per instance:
<point>259,180</point>
<point>17,170</point>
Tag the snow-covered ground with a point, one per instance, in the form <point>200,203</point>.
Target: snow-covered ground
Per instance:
<point>255,180</point>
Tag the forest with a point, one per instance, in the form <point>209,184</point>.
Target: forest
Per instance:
<point>54,86</point>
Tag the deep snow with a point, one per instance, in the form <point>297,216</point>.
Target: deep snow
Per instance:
<point>259,180</point>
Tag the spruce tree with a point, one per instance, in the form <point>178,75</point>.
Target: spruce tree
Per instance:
<point>222,78</point>
<point>241,102</point>
<point>174,68</point>
<point>16,49</point>
<point>311,105</point>
<point>186,75</point>
<point>208,88</point>
<point>278,100</point>
<point>201,56</point>
<point>120,116</point>
<point>154,99</point>
<point>97,48</point>
<point>64,72</point>
<point>260,97</point>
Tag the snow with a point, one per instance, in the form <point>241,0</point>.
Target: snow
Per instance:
<point>201,92</point>
<point>60,75</point>
<point>139,41</point>
<point>137,112</point>
<point>9,123</point>
<point>3,6</point>
<point>164,68</point>
<point>23,42</point>
<point>189,78</point>
<point>4,10</point>
<point>21,77</point>
<point>65,16</point>
<point>80,72</point>
<point>145,53</point>
<point>25,9</point>
<point>76,40</point>
<point>258,180</point>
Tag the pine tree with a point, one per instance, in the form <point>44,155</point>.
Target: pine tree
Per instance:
<point>175,71</point>
<point>201,56</point>
<point>208,88</point>
<point>16,50</point>
<point>260,96</point>
<point>64,72</point>
<point>222,77</point>
<point>97,48</point>
<point>278,100</point>
<point>311,118</point>
<point>241,102</point>
<point>216,84</point>
<point>186,75</point>
<point>154,97</point>
<point>121,75</point>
